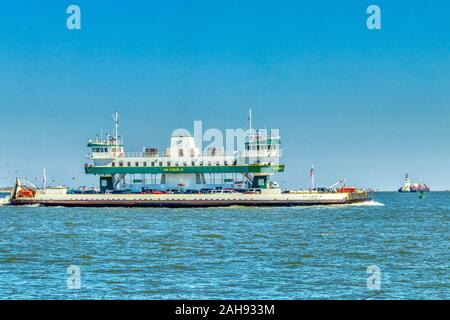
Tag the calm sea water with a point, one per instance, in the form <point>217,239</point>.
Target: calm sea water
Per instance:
<point>229,253</point>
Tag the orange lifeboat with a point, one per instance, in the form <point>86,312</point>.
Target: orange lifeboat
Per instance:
<point>345,189</point>
<point>25,193</point>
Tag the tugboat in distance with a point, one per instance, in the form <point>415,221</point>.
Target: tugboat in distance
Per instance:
<point>409,186</point>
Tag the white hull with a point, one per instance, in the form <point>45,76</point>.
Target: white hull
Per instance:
<point>193,200</point>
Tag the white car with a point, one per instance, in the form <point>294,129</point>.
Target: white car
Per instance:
<point>274,185</point>
<point>222,191</point>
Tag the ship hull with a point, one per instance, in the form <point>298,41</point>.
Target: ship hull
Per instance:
<point>413,190</point>
<point>187,201</point>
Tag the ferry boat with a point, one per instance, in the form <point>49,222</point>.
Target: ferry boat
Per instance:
<point>183,176</point>
<point>409,186</point>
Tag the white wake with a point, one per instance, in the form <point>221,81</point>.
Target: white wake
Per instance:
<point>370,203</point>
<point>4,200</point>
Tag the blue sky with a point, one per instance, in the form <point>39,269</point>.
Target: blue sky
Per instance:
<point>365,105</point>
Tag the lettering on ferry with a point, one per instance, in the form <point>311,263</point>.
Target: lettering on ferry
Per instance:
<point>173,169</point>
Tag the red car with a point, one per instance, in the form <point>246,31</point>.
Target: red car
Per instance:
<point>152,191</point>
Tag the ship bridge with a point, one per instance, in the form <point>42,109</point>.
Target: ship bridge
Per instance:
<point>183,165</point>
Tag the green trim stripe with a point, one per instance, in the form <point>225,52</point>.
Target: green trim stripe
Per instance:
<point>185,169</point>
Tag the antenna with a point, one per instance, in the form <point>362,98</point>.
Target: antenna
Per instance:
<point>116,129</point>
<point>44,180</point>
<point>116,125</point>
<point>250,120</point>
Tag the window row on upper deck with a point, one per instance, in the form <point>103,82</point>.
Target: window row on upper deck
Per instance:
<point>172,163</point>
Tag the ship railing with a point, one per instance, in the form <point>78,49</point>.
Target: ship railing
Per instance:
<point>204,158</point>
<point>249,157</point>
<point>236,155</point>
<point>135,155</point>
<point>156,162</point>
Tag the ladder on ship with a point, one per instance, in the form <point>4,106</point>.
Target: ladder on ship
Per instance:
<point>118,178</point>
<point>248,178</point>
